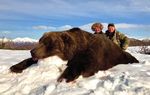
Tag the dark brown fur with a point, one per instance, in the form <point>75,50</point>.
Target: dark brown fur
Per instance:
<point>86,53</point>
<point>22,65</point>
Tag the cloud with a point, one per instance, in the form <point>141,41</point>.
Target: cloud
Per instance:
<point>133,27</point>
<point>51,28</point>
<point>87,27</point>
<point>125,25</point>
<point>65,27</point>
<point>63,8</point>
<point>43,27</point>
<point>139,5</point>
<point>23,13</point>
<point>134,30</point>
<point>131,30</point>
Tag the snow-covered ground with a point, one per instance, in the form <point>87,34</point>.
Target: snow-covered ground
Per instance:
<point>40,79</point>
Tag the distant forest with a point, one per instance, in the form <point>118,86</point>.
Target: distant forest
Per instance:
<point>9,44</point>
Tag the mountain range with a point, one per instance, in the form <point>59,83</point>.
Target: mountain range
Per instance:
<point>29,43</point>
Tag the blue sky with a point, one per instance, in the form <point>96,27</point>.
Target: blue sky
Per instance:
<point>31,18</point>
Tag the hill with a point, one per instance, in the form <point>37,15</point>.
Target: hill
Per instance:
<point>28,43</point>
<point>18,43</point>
<point>137,42</point>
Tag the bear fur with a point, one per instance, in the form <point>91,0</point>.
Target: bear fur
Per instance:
<point>86,53</point>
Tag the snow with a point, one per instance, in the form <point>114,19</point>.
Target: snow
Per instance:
<point>40,79</point>
<point>25,39</point>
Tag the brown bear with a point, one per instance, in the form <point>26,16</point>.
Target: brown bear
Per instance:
<point>86,53</point>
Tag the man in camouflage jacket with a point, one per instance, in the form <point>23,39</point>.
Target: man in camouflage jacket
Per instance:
<point>118,38</point>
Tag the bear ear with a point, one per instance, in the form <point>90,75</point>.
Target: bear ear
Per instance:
<point>66,38</point>
<point>69,41</point>
<point>44,36</point>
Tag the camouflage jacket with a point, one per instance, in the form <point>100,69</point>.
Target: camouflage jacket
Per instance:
<point>118,38</point>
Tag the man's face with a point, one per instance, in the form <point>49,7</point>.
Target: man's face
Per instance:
<point>111,28</point>
<point>97,30</point>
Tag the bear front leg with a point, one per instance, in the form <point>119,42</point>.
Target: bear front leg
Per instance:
<point>18,68</point>
<point>70,74</point>
<point>75,67</point>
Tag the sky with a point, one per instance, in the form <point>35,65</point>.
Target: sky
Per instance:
<point>31,18</point>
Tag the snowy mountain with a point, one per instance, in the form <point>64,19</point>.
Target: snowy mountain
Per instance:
<point>25,39</point>
<point>19,40</point>
<point>18,43</point>
<point>28,43</point>
<point>30,40</point>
